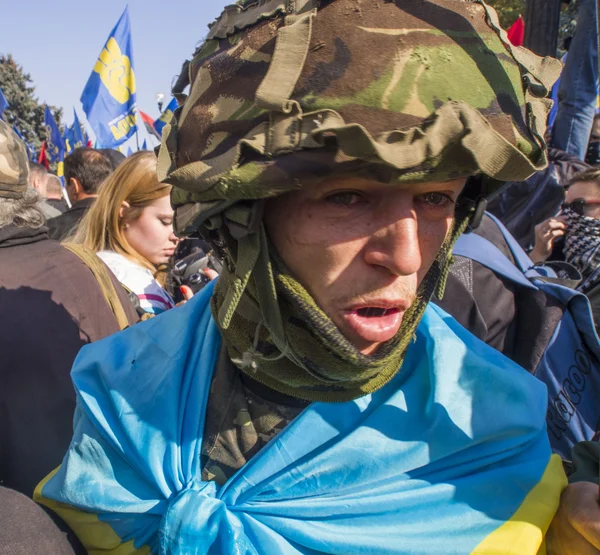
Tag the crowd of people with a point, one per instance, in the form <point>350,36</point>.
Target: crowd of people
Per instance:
<point>350,306</point>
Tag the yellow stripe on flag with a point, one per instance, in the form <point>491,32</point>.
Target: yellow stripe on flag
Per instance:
<point>524,533</point>
<point>97,537</point>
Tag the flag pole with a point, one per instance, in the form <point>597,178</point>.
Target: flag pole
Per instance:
<point>137,137</point>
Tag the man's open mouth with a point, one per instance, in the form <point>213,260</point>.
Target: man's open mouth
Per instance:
<point>373,323</point>
<point>375,312</point>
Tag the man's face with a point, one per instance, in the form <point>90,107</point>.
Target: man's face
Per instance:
<point>361,248</point>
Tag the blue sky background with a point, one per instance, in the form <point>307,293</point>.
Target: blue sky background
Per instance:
<point>58,43</point>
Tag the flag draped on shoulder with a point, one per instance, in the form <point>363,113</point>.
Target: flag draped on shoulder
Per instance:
<point>109,99</point>
<point>425,465</point>
<point>166,116</point>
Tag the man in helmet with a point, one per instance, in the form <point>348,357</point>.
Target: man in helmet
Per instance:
<point>311,401</point>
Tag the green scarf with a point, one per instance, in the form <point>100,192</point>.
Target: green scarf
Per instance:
<point>275,332</point>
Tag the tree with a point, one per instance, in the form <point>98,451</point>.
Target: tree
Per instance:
<point>25,110</point>
<point>541,19</point>
<point>508,10</point>
<point>568,21</point>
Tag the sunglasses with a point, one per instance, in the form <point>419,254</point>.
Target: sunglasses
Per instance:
<point>579,204</point>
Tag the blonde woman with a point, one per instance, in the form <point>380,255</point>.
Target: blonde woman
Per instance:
<point>130,227</point>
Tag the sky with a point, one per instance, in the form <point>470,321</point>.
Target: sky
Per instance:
<point>58,43</point>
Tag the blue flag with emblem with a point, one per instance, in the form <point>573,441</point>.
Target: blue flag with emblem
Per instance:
<point>3,103</point>
<point>55,144</point>
<point>109,95</point>
<point>166,116</point>
<point>76,133</point>
<point>69,140</point>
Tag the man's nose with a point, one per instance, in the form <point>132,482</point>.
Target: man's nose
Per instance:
<point>395,246</point>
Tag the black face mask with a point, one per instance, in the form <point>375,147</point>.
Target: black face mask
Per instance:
<point>582,245</point>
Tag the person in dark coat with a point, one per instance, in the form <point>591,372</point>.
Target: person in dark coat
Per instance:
<point>85,170</point>
<point>25,528</point>
<point>51,305</point>
<point>54,191</point>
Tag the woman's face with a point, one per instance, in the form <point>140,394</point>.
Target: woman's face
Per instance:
<point>588,191</point>
<point>151,235</point>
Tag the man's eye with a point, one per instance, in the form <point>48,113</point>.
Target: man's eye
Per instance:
<point>347,198</point>
<point>438,200</point>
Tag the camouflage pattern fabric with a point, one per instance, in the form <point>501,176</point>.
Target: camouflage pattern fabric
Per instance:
<point>431,89</point>
<point>14,168</point>
<point>239,423</point>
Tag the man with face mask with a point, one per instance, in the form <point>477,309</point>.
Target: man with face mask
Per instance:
<point>574,235</point>
<point>311,401</point>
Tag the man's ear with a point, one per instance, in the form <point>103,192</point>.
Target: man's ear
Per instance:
<point>36,183</point>
<point>77,186</point>
<point>124,207</point>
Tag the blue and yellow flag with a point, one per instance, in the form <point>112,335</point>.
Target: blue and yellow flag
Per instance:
<point>109,95</point>
<point>165,117</point>
<point>69,140</point>
<point>74,137</point>
<point>55,144</point>
<point>450,457</point>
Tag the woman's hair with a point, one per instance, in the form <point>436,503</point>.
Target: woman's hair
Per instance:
<point>22,212</point>
<point>133,182</point>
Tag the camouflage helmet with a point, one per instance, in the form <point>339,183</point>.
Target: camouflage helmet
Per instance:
<point>285,90</point>
<point>14,168</point>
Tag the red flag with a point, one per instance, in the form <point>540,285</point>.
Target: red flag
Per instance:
<point>89,143</point>
<point>149,124</point>
<point>43,159</point>
<point>516,33</point>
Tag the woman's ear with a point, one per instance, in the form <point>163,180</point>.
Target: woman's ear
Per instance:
<point>124,207</point>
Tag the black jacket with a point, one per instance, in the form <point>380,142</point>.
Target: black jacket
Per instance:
<point>59,204</point>
<point>50,306</point>
<point>61,226</point>
<point>512,319</point>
